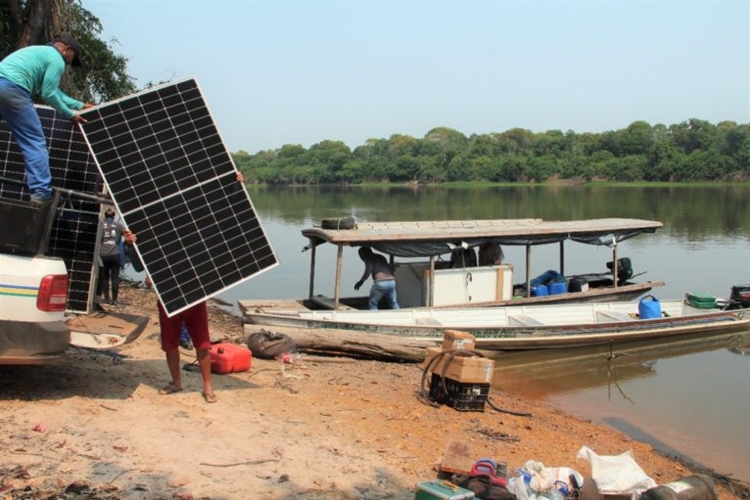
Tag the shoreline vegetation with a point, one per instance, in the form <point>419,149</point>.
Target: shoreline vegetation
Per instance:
<point>489,184</point>
<point>694,150</point>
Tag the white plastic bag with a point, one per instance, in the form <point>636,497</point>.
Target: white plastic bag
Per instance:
<point>537,482</point>
<point>520,489</point>
<point>617,474</point>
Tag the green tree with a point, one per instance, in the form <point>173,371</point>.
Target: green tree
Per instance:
<point>516,141</point>
<point>429,170</point>
<point>695,134</point>
<point>102,77</point>
<point>329,157</point>
<point>636,139</point>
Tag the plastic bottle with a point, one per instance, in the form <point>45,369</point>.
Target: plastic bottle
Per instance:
<point>697,487</point>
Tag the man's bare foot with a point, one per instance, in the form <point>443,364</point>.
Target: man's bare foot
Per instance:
<point>170,388</point>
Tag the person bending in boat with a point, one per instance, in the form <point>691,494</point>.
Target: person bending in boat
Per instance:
<point>384,283</point>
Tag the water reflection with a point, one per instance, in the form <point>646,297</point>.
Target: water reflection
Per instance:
<point>688,212</point>
<point>558,372</point>
<point>686,398</point>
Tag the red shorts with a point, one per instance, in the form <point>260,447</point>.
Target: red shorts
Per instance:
<point>196,321</point>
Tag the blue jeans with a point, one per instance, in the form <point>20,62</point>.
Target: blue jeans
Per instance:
<point>379,289</point>
<point>17,109</point>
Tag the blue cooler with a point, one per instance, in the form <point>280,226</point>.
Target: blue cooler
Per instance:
<point>558,287</point>
<point>539,290</point>
<point>441,490</point>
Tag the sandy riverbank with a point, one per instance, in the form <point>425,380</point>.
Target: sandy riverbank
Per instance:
<point>329,429</point>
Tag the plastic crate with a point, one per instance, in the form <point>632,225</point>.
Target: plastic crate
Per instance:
<point>459,396</point>
<point>701,300</point>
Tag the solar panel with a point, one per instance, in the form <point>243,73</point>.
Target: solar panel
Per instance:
<point>174,184</point>
<point>75,232</point>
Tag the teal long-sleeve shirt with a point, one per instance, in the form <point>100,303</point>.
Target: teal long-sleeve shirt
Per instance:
<point>38,69</point>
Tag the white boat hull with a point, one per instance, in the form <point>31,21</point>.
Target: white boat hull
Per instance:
<point>520,327</point>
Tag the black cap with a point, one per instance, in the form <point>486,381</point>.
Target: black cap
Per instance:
<point>73,44</point>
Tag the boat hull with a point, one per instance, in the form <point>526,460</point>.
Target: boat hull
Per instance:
<point>611,325</point>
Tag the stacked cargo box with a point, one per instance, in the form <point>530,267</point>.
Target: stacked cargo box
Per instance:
<point>459,377</point>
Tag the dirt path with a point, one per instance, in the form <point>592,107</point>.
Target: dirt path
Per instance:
<point>94,425</point>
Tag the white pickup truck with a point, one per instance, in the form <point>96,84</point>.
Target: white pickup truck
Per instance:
<point>33,297</point>
<point>34,326</point>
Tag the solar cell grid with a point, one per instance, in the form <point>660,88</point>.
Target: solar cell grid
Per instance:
<point>75,232</point>
<point>74,238</point>
<point>175,186</point>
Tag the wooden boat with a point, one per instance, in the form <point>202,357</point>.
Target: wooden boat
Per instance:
<point>519,327</point>
<point>421,246</point>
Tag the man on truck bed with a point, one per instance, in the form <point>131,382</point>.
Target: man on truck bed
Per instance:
<point>36,71</point>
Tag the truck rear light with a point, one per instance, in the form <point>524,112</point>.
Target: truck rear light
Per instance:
<point>53,293</point>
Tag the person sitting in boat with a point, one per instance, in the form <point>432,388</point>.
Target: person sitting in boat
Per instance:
<point>384,283</point>
<point>463,257</point>
<point>490,254</point>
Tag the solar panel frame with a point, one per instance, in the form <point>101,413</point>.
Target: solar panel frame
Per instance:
<point>175,185</point>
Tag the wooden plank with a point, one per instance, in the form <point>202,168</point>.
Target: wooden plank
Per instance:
<point>608,316</point>
<point>334,342</point>
<point>329,303</point>
<point>458,458</point>
<point>366,233</point>
<point>270,305</point>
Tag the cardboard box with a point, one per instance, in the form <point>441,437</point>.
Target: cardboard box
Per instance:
<point>454,339</point>
<point>464,369</point>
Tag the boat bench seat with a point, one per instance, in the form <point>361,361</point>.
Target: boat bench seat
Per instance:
<point>523,320</point>
<point>609,316</point>
<point>428,322</point>
<point>327,303</point>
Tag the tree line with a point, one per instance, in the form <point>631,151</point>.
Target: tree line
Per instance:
<point>695,150</point>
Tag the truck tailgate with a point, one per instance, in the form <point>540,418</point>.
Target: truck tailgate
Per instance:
<point>104,330</point>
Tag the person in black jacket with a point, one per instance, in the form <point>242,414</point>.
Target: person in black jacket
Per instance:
<point>109,256</point>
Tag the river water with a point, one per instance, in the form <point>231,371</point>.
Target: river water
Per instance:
<point>691,398</point>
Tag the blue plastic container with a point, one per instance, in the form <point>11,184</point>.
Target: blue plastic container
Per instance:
<point>557,287</point>
<point>649,307</point>
<point>539,290</point>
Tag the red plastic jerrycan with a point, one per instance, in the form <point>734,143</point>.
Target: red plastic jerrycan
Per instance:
<point>230,358</point>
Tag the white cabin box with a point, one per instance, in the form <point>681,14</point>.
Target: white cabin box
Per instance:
<point>452,286</point>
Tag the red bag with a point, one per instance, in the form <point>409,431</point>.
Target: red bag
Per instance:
<point>229,358</point>
<point>496,472</point>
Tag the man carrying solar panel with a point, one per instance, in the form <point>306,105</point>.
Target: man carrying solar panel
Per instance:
<point>24,74</point>
<point>195,320</point>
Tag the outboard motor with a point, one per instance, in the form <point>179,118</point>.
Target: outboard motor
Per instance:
<point>740,296</point>
<point>624,269</point>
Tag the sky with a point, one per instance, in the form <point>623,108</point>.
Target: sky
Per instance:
<point>280,72</point>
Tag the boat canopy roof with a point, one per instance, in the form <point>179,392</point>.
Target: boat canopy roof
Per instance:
<point>429,238</point>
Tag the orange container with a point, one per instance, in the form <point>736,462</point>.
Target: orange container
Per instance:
<point>230,358</point>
